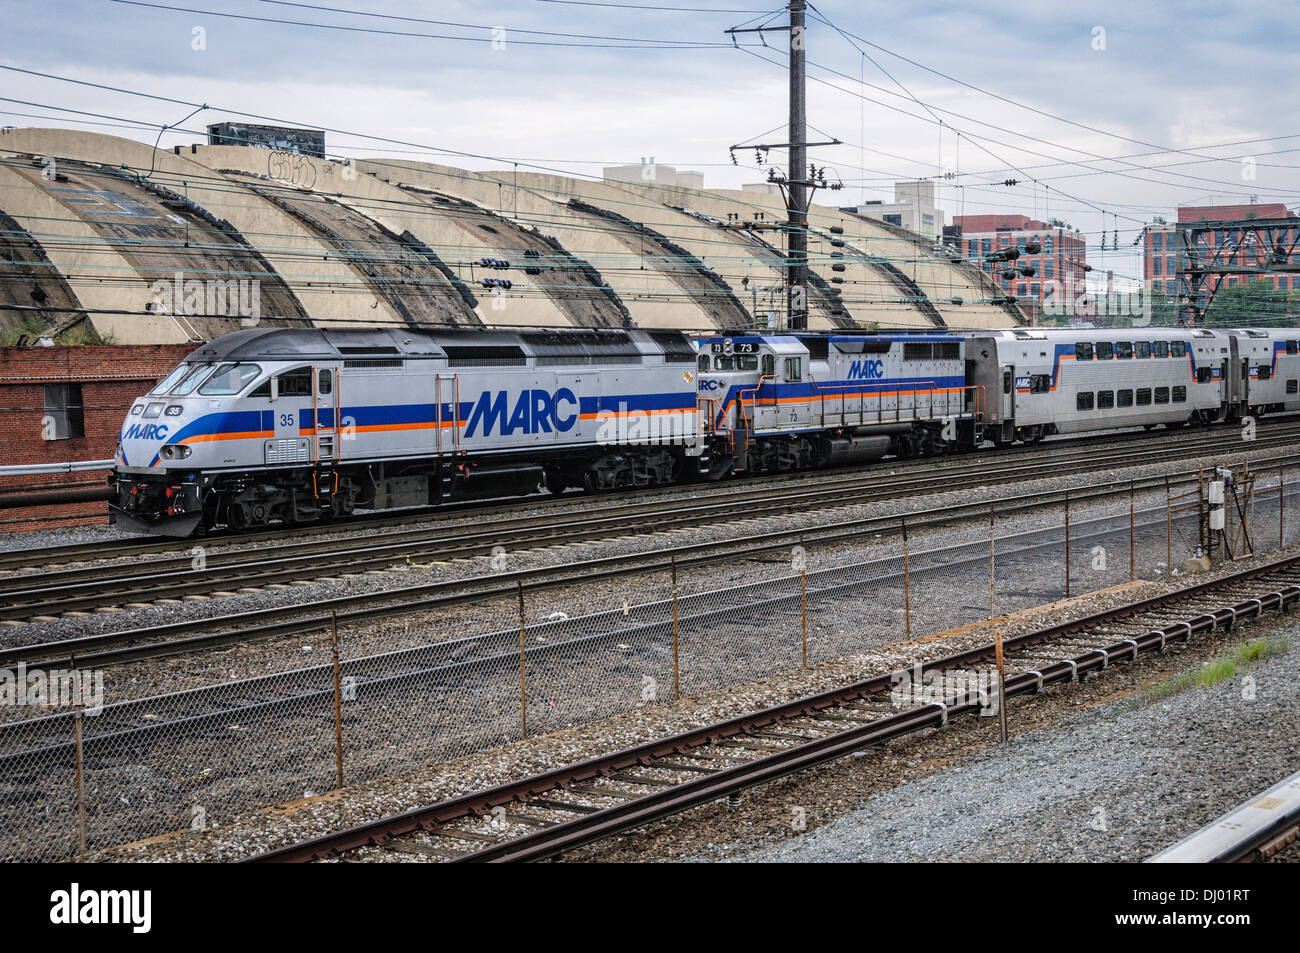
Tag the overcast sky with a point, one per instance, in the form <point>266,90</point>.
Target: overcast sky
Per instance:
<point>1213,79</point>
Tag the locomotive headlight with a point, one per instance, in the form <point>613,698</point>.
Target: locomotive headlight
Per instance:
<point>177,451</point>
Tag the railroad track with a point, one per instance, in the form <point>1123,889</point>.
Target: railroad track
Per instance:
<point>545,815</point>
<point>53,561</point>
<point>96,587</point>
<point>188,636</point>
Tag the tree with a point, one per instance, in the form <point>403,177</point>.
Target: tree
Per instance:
<point>1252,304</point>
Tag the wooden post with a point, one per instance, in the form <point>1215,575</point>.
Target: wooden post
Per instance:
<point>677,685</point>
<point>338,700</point>
<point>523,686</point>
<point>1067,544</point>
<point>1002,695</point>
<point>907,583</point>
<point>992,520</point>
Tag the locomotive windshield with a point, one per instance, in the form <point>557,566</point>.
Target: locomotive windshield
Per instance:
<point>191,380</point>
<point>230,379</point>
<point>168,382</point>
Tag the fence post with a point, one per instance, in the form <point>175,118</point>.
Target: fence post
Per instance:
<point>677,687</point>
<point>338,699</point>
<point>523,687</point>
<point>907,583</point>
<point>1132,536</point>
<point>81,761</point>
<point>803,584</point>
<point>1169,529</point>
<point>992,519</point>
<point>1281,506</point>
<point>1067,544</point>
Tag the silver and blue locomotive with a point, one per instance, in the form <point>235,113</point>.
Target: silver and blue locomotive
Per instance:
<point>295,425</point>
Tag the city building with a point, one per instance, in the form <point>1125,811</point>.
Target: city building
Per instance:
<point>1160,253</point>
<point>650,172</point>
<point>913,208</point>
<point>1049,281</point>
<point>308,142</point>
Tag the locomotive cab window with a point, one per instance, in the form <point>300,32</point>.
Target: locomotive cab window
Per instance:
<point>792,368</point>
<point>704,362</point>
<point>324,382</point>
<point>724,362</point>
<point>295,383</point>
<point>229,379</point>
<point>769,365</point>
<point>746,362</point>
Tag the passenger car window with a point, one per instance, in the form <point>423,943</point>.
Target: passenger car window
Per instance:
<point>1083,351</point>
<point>1105,351</point>
<point>1124,350</point>
<point>229,379</point>
<point>1180,394</point>
<point>1143,396</point>
<point>1083,400</point>
<point>1105,399</point>
<point>1162,395</point>
<point>1124,398</point>
<point>1160,348</point>
<point>1143,348</point>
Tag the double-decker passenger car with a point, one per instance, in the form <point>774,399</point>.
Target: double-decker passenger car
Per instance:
<point>1042,381</point>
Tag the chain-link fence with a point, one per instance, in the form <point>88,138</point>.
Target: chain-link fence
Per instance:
<point>194,759</point>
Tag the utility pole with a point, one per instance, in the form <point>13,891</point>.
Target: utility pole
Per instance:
<point>801,179</point>
<point>797,204</point>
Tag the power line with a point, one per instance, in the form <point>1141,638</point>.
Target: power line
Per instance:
<point>625,43</point>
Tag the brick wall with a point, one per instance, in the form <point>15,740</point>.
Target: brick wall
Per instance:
<point>111,377</point>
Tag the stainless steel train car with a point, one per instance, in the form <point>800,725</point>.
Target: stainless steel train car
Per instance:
<point>294,425</point>
<point>1042,381</point>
